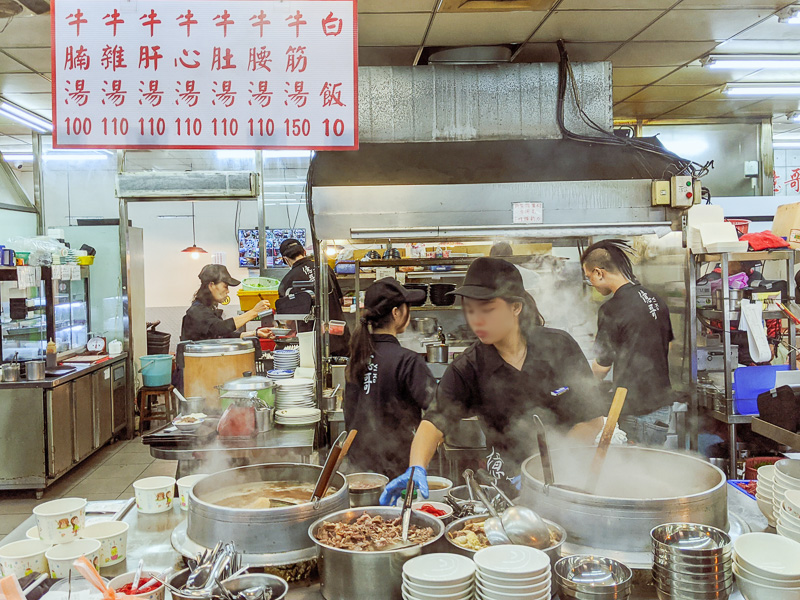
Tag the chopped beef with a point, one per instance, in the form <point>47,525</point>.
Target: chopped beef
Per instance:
<point>369,534</point>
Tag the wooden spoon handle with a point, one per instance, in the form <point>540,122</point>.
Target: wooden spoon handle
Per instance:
<point>605,438</point>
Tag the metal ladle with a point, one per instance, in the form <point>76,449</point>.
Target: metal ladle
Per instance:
<point>493,526</point>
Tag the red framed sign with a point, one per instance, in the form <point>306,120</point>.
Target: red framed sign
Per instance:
<point>205,74</point>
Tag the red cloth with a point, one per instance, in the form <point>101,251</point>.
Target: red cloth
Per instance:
<point>764,240</point>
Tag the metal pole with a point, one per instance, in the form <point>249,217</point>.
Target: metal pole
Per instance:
<point>38,184</point>
<point>691,324</point>
<point>125,274</point>
<point>262,217</point>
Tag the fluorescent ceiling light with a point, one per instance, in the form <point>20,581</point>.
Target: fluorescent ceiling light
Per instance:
<point>785,145</point>
<point>25,117</point>
<point>18,157</point>
<point>290,182</point>
<point>752,61</point>
<point>77,156</point>
<point>762,89</point>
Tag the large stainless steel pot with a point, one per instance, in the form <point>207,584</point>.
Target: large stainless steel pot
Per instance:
<point>278,535</point>
<point>350,574</point>
<point>210,363</point>
<point>639,489</point>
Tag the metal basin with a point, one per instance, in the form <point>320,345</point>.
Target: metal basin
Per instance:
<point>280,535</point>
<point>639,489</point>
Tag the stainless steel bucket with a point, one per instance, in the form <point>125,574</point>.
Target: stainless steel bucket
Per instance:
<point>437,353</point>
<point>34,370</point>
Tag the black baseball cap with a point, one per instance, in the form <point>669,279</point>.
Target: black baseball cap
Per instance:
<point>489,278</point>
<point>216,274</point>
<point>383,295</point>
<point>290,244</point>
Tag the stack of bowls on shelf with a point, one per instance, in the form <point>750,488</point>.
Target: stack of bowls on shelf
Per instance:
<point>294,393</point>
<point>439,576</point>
<point>787,477</point>
<point>298,416</point>
<point>767,567</point>
<point>512,572</point>
<point>789,518</point>
<point>691,561</point>
<point>765,493</point>
<point>279,374</point>
<point>288,359</point>
<point>592,577</point>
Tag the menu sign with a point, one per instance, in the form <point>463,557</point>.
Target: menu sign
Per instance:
<point>205,74</point>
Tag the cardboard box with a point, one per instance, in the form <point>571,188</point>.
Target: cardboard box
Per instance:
<point>787,223</point>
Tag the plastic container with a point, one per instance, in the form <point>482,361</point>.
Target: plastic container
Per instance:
<point>752,464</point>
<point>336,327</point>
<point>260,284</point>
<point>749,382</point>
<point>249,298</point>
<point>742,225</point>
<point>86,260</point>
<point>156,369</point>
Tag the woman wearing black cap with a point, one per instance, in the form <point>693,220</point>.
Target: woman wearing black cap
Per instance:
<point>388,386</point>
<point>203,320</point>
<point>516,369</point>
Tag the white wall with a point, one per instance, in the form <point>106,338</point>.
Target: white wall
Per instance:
<point>14,223</point>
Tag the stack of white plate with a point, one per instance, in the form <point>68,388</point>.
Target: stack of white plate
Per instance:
<point>439,576</point>
<point>765,492</point>
<point>278,374</point>
<point>787,477</point>
<point>512,572</point>
<point>767,566</point>
<point>298,416</point>
<point>294,393</point>
<point>789,519</point>
<point>286,359</point>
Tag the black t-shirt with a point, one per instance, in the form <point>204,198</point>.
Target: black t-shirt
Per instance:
<point>303,270</point>
<point>387,406</point>
<point>633,335</point>
<point>555,382</point>
<point>203,322</point>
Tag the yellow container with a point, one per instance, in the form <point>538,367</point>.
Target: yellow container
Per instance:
<point>248,300</point>
<point>86,260</point>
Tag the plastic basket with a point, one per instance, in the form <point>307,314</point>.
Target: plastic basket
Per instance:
<point>254,284</point>
<point>749,382</point>
<point>742,225</point>
<point>248,298</point>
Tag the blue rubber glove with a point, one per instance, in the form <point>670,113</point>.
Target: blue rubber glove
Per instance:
<point>398,484</point>
<point>517,482</point>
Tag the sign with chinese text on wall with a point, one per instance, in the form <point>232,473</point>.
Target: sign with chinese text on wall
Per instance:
<point>205,74</point>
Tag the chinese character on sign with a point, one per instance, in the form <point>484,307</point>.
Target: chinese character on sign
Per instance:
<point>150,20</point>
<point>296,60</point>
<point>114,20</point>
<point>116,95</point>
<point>224,21</point>
<point>331,26</point>
<point>77,59</point>
<point>261,96</point>
<point>260,21</point>
<point>794,180</point>
<point>296,20</point>
<point>153,95</point>
<point>220,61</point>
<point>188,65</point>
<point>78,20</point>
<point>190,97</point>
<point>331,94</point>
<point>259,59</point>
<point>148,54</point>
<point>776,182</point>
<point>187,22</point>
<point>226,97</point>
<point>80,95</point>
<point>113,58</point>
<point>298,96</point>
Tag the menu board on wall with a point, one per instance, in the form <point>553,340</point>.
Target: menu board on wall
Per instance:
<point>205,74</point>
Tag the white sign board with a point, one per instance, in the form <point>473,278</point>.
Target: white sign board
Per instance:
<point>206,74</point>
<point>527,212</point>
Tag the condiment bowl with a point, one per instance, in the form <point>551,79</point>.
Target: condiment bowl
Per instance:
<point>438,488</point>
<point>61,557</point>
<point>118,582</point>
<point>368,488</point>
<point>448,510</point>
<point>277,585</point>
<point>60,521</point>
<point>113,537</point>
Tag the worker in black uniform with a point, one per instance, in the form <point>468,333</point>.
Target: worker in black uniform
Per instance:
<point>203,320</point>
<point>388,386</point>
<point>303,269</point>
<point>633,336</point>
<point>516,369</point>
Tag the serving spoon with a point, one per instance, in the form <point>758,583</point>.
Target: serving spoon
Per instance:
<point>493,526</point>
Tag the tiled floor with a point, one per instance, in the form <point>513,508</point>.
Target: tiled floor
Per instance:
<point>107,475</point>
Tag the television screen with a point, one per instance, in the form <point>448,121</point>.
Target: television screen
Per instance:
<point>249,250</point>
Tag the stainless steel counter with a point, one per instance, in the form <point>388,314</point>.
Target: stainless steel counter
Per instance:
<point>80,370</point>
<point>149,538</point>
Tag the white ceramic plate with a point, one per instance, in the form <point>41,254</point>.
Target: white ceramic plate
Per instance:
<point>514,589</point>
<point>409,594</point>
<point>443,590</point>
<point>505,581</point>
<point>440,569</point>
<point>513,562</point>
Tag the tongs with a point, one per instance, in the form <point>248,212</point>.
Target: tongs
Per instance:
<point>335,457</point>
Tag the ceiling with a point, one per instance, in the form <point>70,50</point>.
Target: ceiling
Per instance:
<point>654,45</point>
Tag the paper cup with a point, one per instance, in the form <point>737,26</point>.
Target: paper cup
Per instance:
<point>118,582</point>
<point>33,533</point>
<point>23,558</point>
<point>60,521</point>
<point>61,557</point>
<point>154,494</point>
<point>185,485</point>
<point>113,538</point>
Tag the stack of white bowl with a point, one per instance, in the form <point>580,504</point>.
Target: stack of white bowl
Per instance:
<point>767,567</point>
<point>512,572</point>
<point>286,359</point>
<point>789,518</point>
<point>278,374</point>
<point>787,477</point>
<point>439,576</point>
<point>765,492</point>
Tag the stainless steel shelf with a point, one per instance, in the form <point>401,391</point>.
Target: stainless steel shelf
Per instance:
<point>740,256</point>
<point>731,419</point>
<point>717,315</point>
<point>435,308</point>
<point>777,434</point>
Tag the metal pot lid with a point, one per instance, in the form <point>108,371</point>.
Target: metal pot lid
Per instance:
<point>218,346</point>
<point>250,383</point>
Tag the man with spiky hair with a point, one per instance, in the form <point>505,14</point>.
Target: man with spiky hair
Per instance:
<point>633,336</point>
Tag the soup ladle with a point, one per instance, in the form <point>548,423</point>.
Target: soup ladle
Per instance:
<point>493,526</point>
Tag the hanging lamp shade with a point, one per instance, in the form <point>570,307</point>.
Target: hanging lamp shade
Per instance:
<point>194,248</point>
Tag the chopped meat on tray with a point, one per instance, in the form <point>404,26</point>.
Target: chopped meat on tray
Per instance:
<point>369,534</point>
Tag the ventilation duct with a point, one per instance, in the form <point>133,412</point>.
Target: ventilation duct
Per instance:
<point>188,184</point>
<point>474,55</point>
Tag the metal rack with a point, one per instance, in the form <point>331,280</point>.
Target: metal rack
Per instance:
<point>729,417</point>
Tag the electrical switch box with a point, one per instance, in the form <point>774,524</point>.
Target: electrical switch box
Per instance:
<point>660,193</point>
<point>682,190</point>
